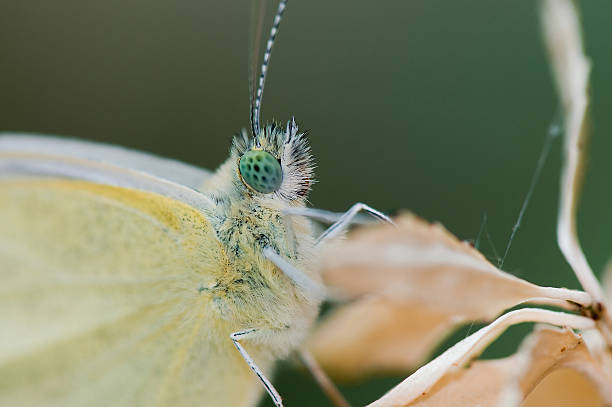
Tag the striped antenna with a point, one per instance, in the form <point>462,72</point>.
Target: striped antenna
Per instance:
<point>257,22</point>
<point>256,100</point>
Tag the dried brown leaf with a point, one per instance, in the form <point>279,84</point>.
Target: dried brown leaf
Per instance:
<point>547,350</point>
<point>506,382</point>
<point>377,335</point>
<point>422,263</point>
<point>564,387</point>
<point>425,282</point>
<point>432,380</point>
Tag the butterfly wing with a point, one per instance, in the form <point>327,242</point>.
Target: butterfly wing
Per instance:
<point>168,169</point>
<point>101,300</point>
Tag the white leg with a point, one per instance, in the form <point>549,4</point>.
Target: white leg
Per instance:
<point>323,216</point>
<point>328,387</point>
<point>310,287</point>
<point>345,220</point>
<point>235,337</point>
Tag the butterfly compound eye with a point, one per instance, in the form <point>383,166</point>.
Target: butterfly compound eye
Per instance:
<point>261,171</point>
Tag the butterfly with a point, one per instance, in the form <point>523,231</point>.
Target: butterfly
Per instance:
<point>134,280</point>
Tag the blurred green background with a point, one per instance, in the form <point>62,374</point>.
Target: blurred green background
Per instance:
<point>436,106</point>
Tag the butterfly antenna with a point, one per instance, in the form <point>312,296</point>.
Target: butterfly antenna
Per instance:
<point>257,22</point>
<point>256,102</point>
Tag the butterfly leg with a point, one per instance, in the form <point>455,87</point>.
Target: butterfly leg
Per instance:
<point>328,387</point>
<point>236,337</point>
<point>347,217</point>
<point>322,215</point>
<point>340,220</point>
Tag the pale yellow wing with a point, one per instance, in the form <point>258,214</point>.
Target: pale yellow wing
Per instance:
<point>165,168</point>
<point>101,300</point>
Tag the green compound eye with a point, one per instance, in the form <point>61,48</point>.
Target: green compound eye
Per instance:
<point>261,171</point>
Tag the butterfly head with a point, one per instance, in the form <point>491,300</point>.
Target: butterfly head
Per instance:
<point>277,162</point>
